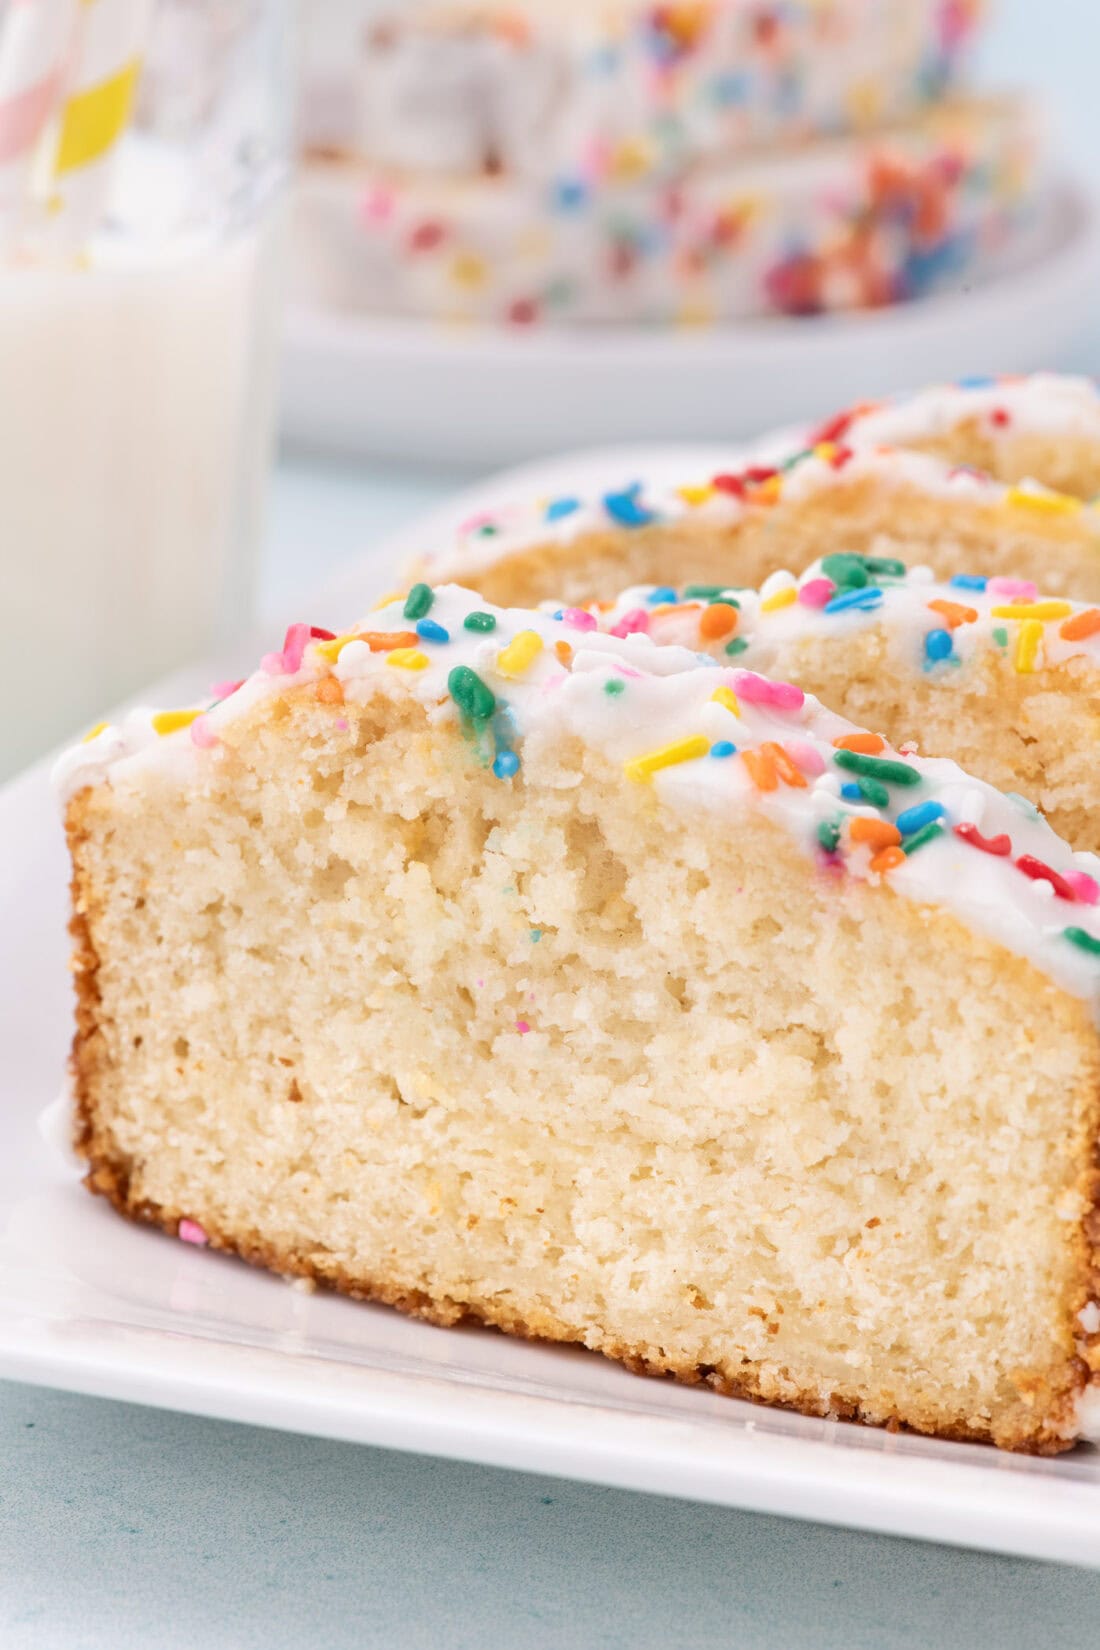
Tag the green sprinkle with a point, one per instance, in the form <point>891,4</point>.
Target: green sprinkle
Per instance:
<point>1000,636</point>
<point>536,935</point>
<point>927,833</point>
<point>875,767</point>
<point>877,795</point>
<point>479,621</point>
<point>885,566</point>
<point>710,593</point>
<point>828,834</point>
<point>796,458</point>
<point>847,572</point>
<point>614,687</point>
<point>473,698</point>
<point>487,530</point>
<point>419,601</point>
<point>738,645</point>
<point>1082,940</point>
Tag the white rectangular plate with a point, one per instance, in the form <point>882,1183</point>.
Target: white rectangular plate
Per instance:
<point>91,1303</point>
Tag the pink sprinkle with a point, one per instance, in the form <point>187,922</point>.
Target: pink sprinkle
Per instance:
<point>635,675</point>
<point>472,524</point>
<point>342,724</point>
<point>189,1231</point>
<point>522,1027</point>
<point>202,734</point>
<point>631,623</point>
<point>577,619</point>
<point>805,756</point>
<point>1015,590</point>
<point>816,592</point>
<point>1085,888</point>
<point>223,690</point>
<point>758,690</point>
<point>289,660</point>
<point>378,204</point>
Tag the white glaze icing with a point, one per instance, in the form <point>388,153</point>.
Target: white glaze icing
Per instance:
<point>1046,404</point>
<point>659,697</point>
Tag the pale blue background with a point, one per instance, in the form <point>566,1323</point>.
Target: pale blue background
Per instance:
<point>123,1527</point>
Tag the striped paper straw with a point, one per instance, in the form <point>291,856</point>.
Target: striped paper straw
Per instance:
<point>35,47</point>
<point>111,36</point>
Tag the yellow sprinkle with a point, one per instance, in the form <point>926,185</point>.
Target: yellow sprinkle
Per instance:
<point>768,491</point>
<point>520,654</point>
<point>92,121</point>
<point>782,598</point>
<point>1028,640</point>
<point>170,721</point>
<point>726,696</point>
<point>826,451</point>
<point>407,658</point>
<point>1055,504</point>
<point>684,750</point>
<point>696,495</point>
<point>385,601</point>
<point>331,651</point>
<point>1044,611</point>
<point>94,733</point>
<point>468,270</point>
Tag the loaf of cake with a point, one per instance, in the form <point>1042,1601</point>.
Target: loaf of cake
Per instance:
<point>1004,680</point>
<point>499,969</point>
<point>855,222</point>
<point>741,526</point>
<point>1043,427</point>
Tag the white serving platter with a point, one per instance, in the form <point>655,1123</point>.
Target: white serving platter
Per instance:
<point>92,1304</point>
<point>413,391</point>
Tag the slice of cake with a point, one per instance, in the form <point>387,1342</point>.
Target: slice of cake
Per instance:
<point>1044,428</point>
<point>852,223</point>
<point>493,969</point>
<point>739,527</point>
<point>990,672</point>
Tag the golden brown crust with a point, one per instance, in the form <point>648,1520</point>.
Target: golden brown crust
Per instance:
<point>1052,1399</point>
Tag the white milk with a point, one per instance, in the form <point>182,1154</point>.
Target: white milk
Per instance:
<point>135,416</point>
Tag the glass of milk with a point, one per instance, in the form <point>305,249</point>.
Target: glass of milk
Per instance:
<point>138,314</point>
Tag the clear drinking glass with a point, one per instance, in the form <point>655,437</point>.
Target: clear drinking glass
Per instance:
<point>139,222</point>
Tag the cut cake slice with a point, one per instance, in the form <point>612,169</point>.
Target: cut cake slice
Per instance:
<point>491,970</point>
<point>1001,678</point>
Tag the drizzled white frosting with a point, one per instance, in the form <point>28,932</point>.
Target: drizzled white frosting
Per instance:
<point>628,699</point>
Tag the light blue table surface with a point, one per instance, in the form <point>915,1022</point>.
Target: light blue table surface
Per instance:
<point>123,1527</point>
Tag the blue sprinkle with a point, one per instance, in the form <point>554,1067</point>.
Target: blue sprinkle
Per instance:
<point>663,593</point>
<point>559,508</point>
<point>977,381</point>
<point>627,508</point>
<point>506,764</point>
<point>570,194</point>
<point>723,748</point>
<point>862,599</point>
<point>969,581</point>
<point>938,645</point>
<point>851,792</point>
<point>729,90</point>
<point>915,819</point>
<point>429,631</point>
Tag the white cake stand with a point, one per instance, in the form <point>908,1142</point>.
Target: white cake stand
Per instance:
<point>409,390</point>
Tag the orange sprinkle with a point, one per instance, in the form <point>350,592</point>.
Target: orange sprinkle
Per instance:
<point>330,692</point>
<point>564,653</point>
<point>666,608</point>
<point>762,769</point>
<point>877,833</point>
<point>386,641</point>
<point>953,613</point>
<point>719,620</point>
<point>788,773</point>
<point>1081,625</point>
<point>888,859</point>
<point>866,744</point>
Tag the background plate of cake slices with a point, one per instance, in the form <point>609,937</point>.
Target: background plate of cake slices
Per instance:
<point>93,1304</point>
<point>403,388</point>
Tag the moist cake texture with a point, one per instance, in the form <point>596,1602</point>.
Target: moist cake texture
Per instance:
<point>479,963</point>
